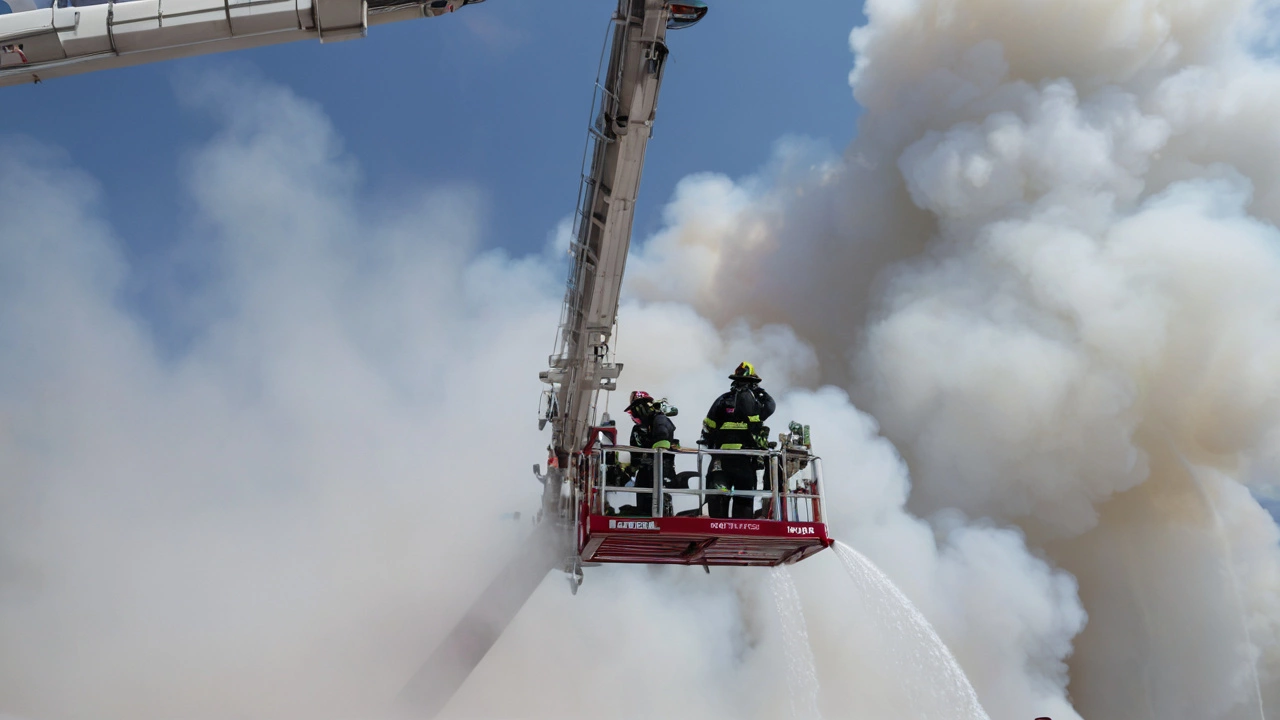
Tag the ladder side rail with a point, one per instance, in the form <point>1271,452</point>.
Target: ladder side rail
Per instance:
<point>640,85</point>
<point>605,218</point>
<point>582,276</point>
<point>568,337</point>
<point>622,161</point>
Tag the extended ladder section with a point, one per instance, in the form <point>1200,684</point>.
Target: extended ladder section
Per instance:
<point>620,523</point>
<point>44,39</point>
<point>624,108</point>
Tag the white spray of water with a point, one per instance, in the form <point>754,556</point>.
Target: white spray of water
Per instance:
<point>1233,578</point>
<point>802,672</point>
<point>941,690</point>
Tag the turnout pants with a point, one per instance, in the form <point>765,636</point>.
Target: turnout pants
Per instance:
<point>644,501</point>
<point>644,479</point>
<point>736,472</point>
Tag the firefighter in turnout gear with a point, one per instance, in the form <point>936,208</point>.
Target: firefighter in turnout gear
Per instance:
<point>653,429</point>
<point>736,422</point>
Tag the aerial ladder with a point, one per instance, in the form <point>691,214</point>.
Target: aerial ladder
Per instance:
<point>584,456</point>
<point>577,526</point>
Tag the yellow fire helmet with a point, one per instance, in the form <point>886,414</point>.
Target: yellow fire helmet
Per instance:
<point>745,371</point>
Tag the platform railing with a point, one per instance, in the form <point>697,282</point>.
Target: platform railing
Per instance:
<point>793,479</point>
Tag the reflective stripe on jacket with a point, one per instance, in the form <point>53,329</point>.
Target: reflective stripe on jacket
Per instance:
<point>736,417</point>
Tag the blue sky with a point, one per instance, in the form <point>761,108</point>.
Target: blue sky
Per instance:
<point>494,98</point>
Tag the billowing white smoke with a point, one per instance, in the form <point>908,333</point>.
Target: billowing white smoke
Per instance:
<point>1048,266</point>
<point>252,515</point>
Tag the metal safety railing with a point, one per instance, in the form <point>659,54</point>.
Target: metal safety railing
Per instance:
<point>791,479</point>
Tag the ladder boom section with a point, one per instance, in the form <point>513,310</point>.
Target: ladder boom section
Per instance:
<point>54,38</point>
<point>624,112</point>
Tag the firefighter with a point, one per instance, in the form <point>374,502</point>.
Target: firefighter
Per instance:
<point>736,422</point>
<point>652,429</point>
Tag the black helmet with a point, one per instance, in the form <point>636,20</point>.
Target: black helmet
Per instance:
<point>745,372</point>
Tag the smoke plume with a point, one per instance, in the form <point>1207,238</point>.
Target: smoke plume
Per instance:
<point>1048,267</point>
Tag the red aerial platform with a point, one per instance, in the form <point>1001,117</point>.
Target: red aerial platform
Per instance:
<point>700,541</point>
<point>790,528</point>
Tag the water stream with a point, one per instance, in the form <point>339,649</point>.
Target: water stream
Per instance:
<point>1234,581</point>
<point>935,684</point>
<point>802,673</point>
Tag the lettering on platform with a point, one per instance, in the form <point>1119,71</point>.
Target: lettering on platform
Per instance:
<point>735,526</point>
<point>632,525</point>
<point>793,530</point>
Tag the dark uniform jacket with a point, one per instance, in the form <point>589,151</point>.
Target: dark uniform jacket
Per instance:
<point>736,418</point>
<point>657,431</point>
